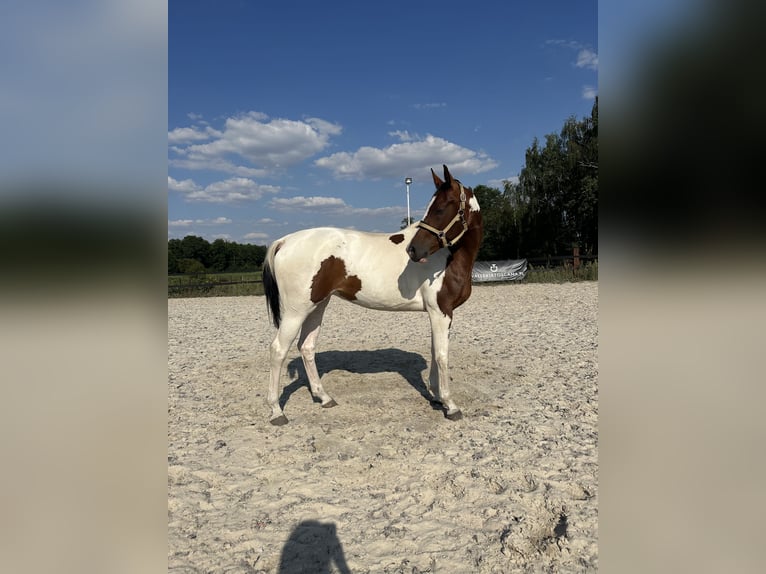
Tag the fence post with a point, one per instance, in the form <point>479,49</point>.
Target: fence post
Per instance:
<point>575,257</point>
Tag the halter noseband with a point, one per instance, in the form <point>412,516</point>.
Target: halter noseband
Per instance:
<point>459,216</point>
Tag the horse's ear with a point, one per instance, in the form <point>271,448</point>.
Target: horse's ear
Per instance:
<point>447,175</point>
<point>437,181</point>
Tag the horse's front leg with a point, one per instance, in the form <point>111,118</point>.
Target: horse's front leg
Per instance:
<point>439,375</point>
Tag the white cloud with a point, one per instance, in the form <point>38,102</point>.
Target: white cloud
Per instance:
<point>589,92</point>
<point>190,222</point>
<point>308,203</point>
<point>251,144</point>
<point>185,186</point>
<point>232,190</point>
<point>378,211</point>
<point>409,156</point>
<point>180,222</point>
<point>500,183</point>
<point>221,165</point>
<point>430,106</point>
<point>587,59</point>
<point>330,205</point>
<point>403,136</point>
<point>256,235</point>
<point>186,135</point>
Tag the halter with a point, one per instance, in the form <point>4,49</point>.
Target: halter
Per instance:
<point>459,216</point>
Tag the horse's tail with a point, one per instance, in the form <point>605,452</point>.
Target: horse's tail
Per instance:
<point>270,286</point>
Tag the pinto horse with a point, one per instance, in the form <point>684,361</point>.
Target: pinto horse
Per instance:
<point>424,267</point>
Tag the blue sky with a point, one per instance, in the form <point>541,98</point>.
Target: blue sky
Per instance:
<point>291,114</point>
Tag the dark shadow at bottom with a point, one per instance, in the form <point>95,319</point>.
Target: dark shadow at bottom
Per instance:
<point>313,547</point>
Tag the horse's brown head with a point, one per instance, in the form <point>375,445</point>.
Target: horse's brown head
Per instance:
<point>448,217</point>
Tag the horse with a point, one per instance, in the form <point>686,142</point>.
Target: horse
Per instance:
<point>424,267</point>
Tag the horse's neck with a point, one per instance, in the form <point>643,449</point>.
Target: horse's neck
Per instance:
<point>467,249</point>
<point>457,275</point>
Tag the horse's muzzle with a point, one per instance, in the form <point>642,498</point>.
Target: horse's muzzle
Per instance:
<point>417,255</point>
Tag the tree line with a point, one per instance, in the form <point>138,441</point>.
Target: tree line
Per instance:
<point>552,207</point>
<point>194,254</point>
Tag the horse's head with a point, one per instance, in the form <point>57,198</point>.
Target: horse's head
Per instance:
<point>448,217</point>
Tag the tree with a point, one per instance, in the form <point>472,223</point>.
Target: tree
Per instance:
<point>220,256</point>
<point>191,267</point>
<point>194,247</point>
<point>174,255</point>
<point>555,202</point>
<point>251,256</point>
<point>557,195</point>
<point>494,211</point>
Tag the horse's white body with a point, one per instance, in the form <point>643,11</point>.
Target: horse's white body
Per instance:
<point>390,280</point>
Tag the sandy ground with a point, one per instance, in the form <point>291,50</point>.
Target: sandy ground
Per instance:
<point>383,482</point>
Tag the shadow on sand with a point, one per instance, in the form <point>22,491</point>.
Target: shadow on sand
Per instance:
<point>313,548</point>
<point>409,365</point>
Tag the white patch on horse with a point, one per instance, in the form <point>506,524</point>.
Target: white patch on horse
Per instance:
<point>473,204</point>
<point>428,207</point>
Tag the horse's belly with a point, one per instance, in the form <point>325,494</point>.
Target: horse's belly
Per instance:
<point>388,301</point>
<point>399,304</point>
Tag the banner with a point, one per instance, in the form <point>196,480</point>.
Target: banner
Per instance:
<point>509,270</point>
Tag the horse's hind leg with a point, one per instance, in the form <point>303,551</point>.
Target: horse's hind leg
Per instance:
<point>307,347</point>
<point>286,334</point>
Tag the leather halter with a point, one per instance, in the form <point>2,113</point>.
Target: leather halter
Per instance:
<point>459,216</point>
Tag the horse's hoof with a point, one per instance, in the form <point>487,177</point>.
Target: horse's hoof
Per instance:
<point>456,416</point>
<point>330,404</point>
<point>279,421</point>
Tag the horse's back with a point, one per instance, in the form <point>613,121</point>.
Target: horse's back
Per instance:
<point>308,248</point>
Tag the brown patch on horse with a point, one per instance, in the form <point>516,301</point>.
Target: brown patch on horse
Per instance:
<point>278,247</point>
<point>333,278</point>
<point>349,288</point>
<point>397,238</point>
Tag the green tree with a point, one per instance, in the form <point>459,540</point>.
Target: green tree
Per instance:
<point>221,255</point>
<point>250,257</point>
<point>194,247</point>
<point>174,255</point>
<point>554,204</point>
<point>556,199</point>
<point>190,266</point>
<point>494,211</point>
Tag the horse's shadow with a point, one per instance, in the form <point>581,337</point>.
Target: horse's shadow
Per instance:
<point>409,365</point>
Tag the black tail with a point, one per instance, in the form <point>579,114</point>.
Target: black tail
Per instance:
<point>271,289</point>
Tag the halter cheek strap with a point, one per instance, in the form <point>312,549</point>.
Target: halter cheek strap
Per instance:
<point>459,216</point>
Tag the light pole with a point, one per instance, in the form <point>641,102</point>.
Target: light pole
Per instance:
<point>408,181</point>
